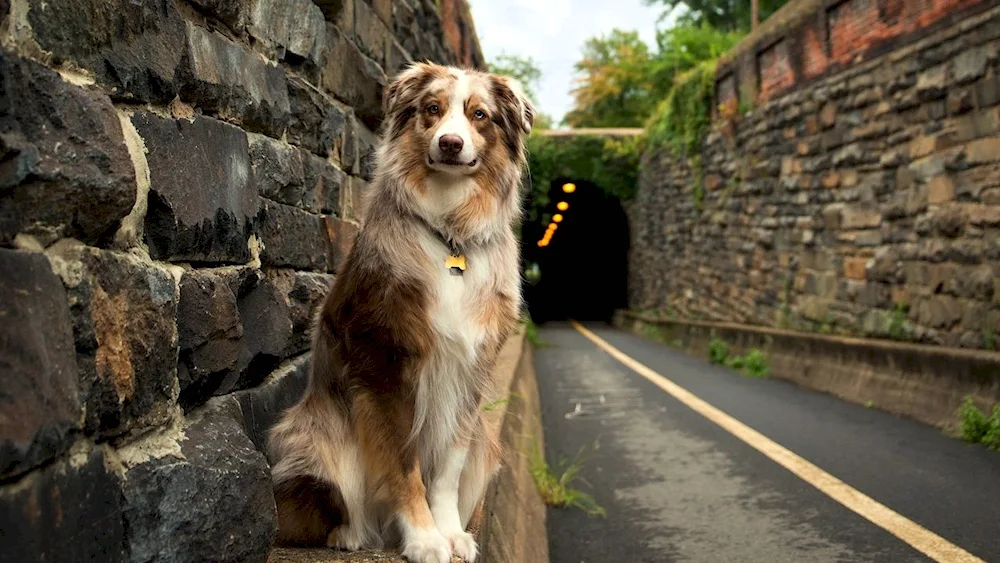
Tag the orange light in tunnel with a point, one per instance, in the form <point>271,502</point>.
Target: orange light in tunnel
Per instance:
<point>543,242</point>
<point>553,226</point>
<point>569,188</point>
<point>557,218</point>
<point>562,206</point>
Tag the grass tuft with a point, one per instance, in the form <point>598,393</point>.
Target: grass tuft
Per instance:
<point>755,364</point>
<point>974,423</point>
<point>718,351</point>
<point>554,484</point>
<point>531,331</point>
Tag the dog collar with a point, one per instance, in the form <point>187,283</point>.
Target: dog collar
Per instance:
<point>455,263</point>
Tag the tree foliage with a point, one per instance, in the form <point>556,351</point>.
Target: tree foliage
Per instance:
<point>729,15</point>
<point>615,83</point>
<point>610,162</point>
<point>681,48</point>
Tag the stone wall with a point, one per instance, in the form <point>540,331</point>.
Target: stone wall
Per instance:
<point>864,201</point>
<point>180,183</point>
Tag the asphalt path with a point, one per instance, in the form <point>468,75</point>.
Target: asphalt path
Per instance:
<point>677,486</point>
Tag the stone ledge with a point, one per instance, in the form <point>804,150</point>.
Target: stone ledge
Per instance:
<point>926,383</point>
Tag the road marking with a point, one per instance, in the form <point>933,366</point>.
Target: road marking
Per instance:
<point>920,538</point>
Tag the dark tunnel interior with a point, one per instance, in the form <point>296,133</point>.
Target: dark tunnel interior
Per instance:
<point>583,263</point>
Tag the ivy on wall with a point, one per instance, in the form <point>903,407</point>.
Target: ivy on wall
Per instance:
<point>683,117</point>
<point>609,162</point>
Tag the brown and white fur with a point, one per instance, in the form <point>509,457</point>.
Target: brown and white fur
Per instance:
<point>388,443</point>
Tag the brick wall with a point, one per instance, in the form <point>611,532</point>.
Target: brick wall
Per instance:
<point>180,183</point>
<point>864,202</point>
<point>808,39</point>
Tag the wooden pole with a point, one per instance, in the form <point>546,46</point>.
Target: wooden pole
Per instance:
<point>754,14</point>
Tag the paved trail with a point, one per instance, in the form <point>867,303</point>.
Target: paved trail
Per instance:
<point>679,487</point>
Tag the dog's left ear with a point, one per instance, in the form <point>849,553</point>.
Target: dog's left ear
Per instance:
<point>517,114</point>
<point>525,109</point>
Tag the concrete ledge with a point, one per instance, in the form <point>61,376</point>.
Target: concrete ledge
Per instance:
<point>926,383</point>
<point>510,524</point>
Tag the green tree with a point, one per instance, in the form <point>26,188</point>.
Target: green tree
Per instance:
<point>615,82</point>
<point>731,15</point>
<point>681,48</point>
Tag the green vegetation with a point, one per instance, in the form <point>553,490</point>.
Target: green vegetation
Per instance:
<point>977,428</point>
<point>899,329</point>
<point>553,484</point>
<point>990,339</point>
<point>684,115</point>
<point>616,82</point>
<point>610,162</point>
<point>718,351</point>
<point>720,14</point>
<point>531,331</point>
<point>753,364</point>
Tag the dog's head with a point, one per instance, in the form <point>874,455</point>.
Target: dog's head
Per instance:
<point>456,122</point>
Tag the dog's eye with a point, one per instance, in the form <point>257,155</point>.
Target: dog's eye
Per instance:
<point>433,109</point>
<point>479,114</point>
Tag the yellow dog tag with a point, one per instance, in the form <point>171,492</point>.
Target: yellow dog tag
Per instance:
<point>455,264</point>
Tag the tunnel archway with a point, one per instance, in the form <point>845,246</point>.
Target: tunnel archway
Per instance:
<point>583,263</point>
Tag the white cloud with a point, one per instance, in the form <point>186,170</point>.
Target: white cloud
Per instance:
<point>553,32</point>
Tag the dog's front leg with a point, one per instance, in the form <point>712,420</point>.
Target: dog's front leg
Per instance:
<point>422,542</point>
<point>444,501</point>
<point>393,466</point>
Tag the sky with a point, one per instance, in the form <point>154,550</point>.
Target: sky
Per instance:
<point>553,32</point>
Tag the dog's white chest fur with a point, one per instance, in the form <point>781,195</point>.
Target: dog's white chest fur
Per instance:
<point>455,300</point>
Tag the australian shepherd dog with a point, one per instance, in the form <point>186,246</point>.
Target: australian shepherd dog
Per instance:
<point>388,444</point>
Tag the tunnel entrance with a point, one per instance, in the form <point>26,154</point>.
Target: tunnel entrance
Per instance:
<point>583,261</point>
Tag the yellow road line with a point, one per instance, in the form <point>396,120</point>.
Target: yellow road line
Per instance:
<point>922,539</point>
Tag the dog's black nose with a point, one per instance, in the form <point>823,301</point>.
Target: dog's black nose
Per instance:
<point>451,144</point>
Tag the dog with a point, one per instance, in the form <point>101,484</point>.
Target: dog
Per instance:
<point>388,443</point>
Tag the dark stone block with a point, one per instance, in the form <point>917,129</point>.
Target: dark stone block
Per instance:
<point>292,238</point>
<point>124,326</point>
<point>70,511</point>
<point>293,29</point>
<point>317,124</point>
<point>308,290</point>
<point>133,48</point>
<point>222,77</point>
<point>208,332</point>
<point>372,34</point>
<point>265,315</point>
<point>396,59</point>
<point>294,177</point>
<point>261,406</point>
<point>38,374</point>
<point>64,168</point>
<point>231,12</point>
<point>198,210</point>
<point>215,504</point>
<point>353,78</point>
<point>339,13</point>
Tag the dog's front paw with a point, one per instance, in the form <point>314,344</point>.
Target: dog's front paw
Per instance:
<point>463,545</point>
<point>427,546</point>
<point>344,537</point>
